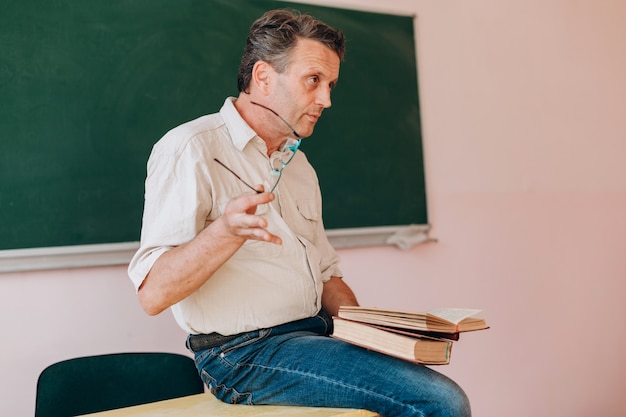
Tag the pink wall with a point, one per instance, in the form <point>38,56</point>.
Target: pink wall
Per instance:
<point>524,132</point>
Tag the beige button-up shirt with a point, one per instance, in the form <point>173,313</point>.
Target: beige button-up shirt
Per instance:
<point>262,284</point>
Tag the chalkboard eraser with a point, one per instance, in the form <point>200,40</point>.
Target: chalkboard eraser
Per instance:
<point>409,237</point>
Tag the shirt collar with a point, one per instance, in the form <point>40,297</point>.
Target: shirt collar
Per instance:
<point>239,130</point>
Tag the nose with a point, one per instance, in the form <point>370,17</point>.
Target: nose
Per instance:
<point>323,97</point>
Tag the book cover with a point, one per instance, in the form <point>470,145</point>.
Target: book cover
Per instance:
<point>418,349</point>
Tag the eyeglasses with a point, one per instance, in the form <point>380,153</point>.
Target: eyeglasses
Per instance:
<point>278,159</point>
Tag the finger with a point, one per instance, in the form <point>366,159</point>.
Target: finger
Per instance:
<point>247,221</point>
<point>263,235</point>
<point>248,202</point>
<point>240,218</point>
<point>251,227</point>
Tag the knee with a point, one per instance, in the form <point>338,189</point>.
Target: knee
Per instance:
<point>441,397</point>
<point>453,402</point>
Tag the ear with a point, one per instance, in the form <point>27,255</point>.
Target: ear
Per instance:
<point>262,76</point>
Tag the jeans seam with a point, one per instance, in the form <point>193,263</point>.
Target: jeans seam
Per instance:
<point>417,412</point>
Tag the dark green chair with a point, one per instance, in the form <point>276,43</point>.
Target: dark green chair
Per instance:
<point>105,382</point>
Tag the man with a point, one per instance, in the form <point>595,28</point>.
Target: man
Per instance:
<point>234,243</point>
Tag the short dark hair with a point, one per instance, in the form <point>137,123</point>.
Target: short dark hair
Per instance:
<point>276,33</point>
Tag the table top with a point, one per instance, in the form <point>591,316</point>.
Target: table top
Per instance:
<point>207,405</point>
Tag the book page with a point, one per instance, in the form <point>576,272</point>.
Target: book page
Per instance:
<point>454,315</point>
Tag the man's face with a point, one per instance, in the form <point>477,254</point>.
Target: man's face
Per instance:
<point>302,92</point>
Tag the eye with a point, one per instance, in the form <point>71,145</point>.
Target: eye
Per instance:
<point>314,80</point>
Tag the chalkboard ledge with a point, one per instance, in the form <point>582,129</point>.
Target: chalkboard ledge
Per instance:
<point>61,257</point>
<point>78,256</point>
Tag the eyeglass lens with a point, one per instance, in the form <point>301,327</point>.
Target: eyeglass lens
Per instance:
<point>279,160</point>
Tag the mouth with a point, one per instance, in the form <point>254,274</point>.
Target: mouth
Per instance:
<point>313,118</point>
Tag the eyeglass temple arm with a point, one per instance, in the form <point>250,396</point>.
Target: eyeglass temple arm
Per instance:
<point>238,177</point>
<point>278,115</point>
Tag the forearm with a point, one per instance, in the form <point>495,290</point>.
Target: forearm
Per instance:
<point>337,293</point>
<point>182,270</point>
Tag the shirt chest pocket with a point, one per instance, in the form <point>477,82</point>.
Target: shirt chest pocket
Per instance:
<point>308,219</point>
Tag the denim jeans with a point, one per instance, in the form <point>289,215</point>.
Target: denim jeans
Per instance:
<point>298,364</point>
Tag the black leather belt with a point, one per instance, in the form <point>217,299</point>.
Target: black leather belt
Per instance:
<point>198,342</point>
<point>320,324</point>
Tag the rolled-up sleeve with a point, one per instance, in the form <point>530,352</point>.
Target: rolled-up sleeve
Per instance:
<point>174,211</point>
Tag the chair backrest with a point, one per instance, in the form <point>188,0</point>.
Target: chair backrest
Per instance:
<point>105,382</point>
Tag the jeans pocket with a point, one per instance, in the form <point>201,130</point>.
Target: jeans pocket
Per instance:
<point>244,340</point>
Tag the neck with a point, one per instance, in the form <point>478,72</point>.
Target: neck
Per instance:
<point>266,125</point>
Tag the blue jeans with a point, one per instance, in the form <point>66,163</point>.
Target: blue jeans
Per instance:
<point>298,364</point>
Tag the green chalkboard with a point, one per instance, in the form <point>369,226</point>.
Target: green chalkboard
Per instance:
<point>87,87</point>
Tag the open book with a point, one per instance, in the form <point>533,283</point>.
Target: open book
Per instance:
<point>425,338</point>
<point>444,320</point>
